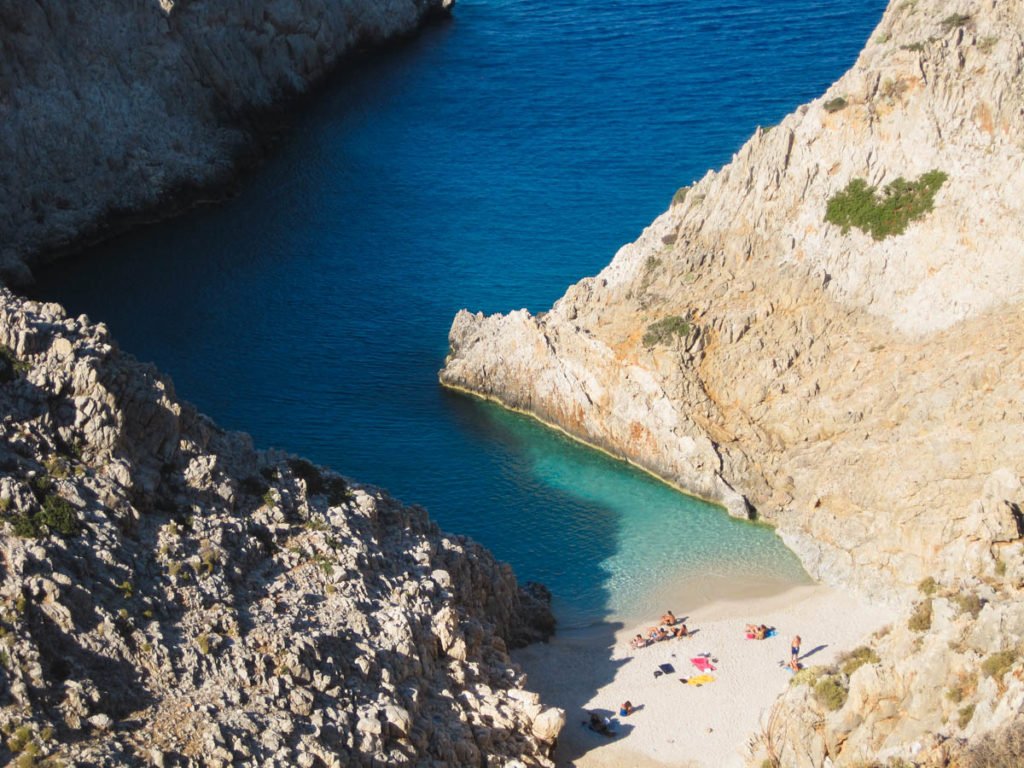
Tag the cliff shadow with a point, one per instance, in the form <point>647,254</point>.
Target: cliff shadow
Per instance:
<point>557,518</point>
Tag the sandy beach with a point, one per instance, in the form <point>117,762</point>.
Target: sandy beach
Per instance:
<point>677,724</point>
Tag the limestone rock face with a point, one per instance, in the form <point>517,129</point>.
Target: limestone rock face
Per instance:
<point>861,394</point>
<point>169,595</point>
<point>109,107</point>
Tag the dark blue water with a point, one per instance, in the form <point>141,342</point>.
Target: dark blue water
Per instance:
<point>488,164</point>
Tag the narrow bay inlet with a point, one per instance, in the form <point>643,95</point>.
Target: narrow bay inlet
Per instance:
<point>819,341</point>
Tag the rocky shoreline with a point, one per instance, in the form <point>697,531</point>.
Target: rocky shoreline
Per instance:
<point>129,111</point>
<point>172,596</point>
<point>855,384</point>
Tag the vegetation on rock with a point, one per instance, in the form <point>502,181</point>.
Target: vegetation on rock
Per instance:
<point>921,619</point>
<point>901,201</point>
<point>836,104</point>
<point>666,330</point>
<point>857,658</point>
<point>830,692</point>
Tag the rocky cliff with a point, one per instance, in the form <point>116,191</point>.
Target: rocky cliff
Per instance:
<point>171,596</point>
<point>114,108</point>
<point>827,333</point>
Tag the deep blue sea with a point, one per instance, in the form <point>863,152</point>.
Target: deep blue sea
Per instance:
<point>488,163</point>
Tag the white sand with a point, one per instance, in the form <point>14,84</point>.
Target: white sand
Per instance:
<point>680,725</point>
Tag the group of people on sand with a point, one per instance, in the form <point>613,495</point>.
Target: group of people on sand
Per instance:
<point>668,626</point>
<point>761,631</point>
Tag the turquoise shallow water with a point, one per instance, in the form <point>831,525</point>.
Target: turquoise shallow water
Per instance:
<point>488,164</point>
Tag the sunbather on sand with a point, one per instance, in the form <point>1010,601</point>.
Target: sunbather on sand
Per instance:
<point>668,619</point>
<point>681,631</point>
<point>639,642</point>
<point>759,631</point>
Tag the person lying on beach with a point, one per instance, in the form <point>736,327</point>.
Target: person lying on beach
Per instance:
<point>681,631</point>
<point>668,619</point>
<point>759,631</point>
<point>639,642</point>
<point>599,724</point>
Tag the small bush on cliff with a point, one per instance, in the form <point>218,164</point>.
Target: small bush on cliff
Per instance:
<point>921,618</point>
<point>667,329</point>
<point>955,20</point>
<point>965,715</point>
<point>928,586</point>
<point>830,693</point>
<point>1003,748</point>
<point>889,213</point>
<point>10,365</point>
<point>857,658</point>
<point>970,603</point>
<point>998,664</point>
<point>58,515</point>
<point>680,196</point>
<point>836,104</point>
<point>334,488</point>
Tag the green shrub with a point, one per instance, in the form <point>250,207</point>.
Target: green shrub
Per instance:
<point>928,586</point>
<point>998,664</point>
<point>667,329</point>
<point>1000,566</point>
<point>203,641</point>
<point>680,196</point>
<point>334,488</point>
<point>966,713</point>
<point>208,559</point>
<point>806,676</point>
<point>969,603</point>
<point>921,618</point>
<point>954,20</point>
<point>10,365</point>
<point>986,44</point>
<point>836,104</point>
<point>901,202</point>
<point>58,515</point>
<point>57,467</point>
<point>857,658</point>
<point>830,693</point>
<point>25,526</point>
<point>915,47</point>
<point>126,589</point>
<point>269,499</point>
<point>20,739</point>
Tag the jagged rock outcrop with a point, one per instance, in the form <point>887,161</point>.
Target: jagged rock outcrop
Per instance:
<point>111,108</point>
<point>171,596</point>
<point>856,386</point>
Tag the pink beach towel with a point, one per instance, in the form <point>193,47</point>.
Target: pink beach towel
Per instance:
<point>702,664</point>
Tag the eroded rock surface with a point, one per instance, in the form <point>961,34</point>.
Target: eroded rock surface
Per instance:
<point>171,596</point>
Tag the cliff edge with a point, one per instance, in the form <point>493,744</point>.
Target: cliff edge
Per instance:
<point>171,596</point>
<point>112,109</point>
<point>827,333</point>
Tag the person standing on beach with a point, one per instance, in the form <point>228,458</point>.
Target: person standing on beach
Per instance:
<point>794,648</point>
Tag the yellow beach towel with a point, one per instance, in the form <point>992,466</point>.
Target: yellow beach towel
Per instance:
<point>701,680</point>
